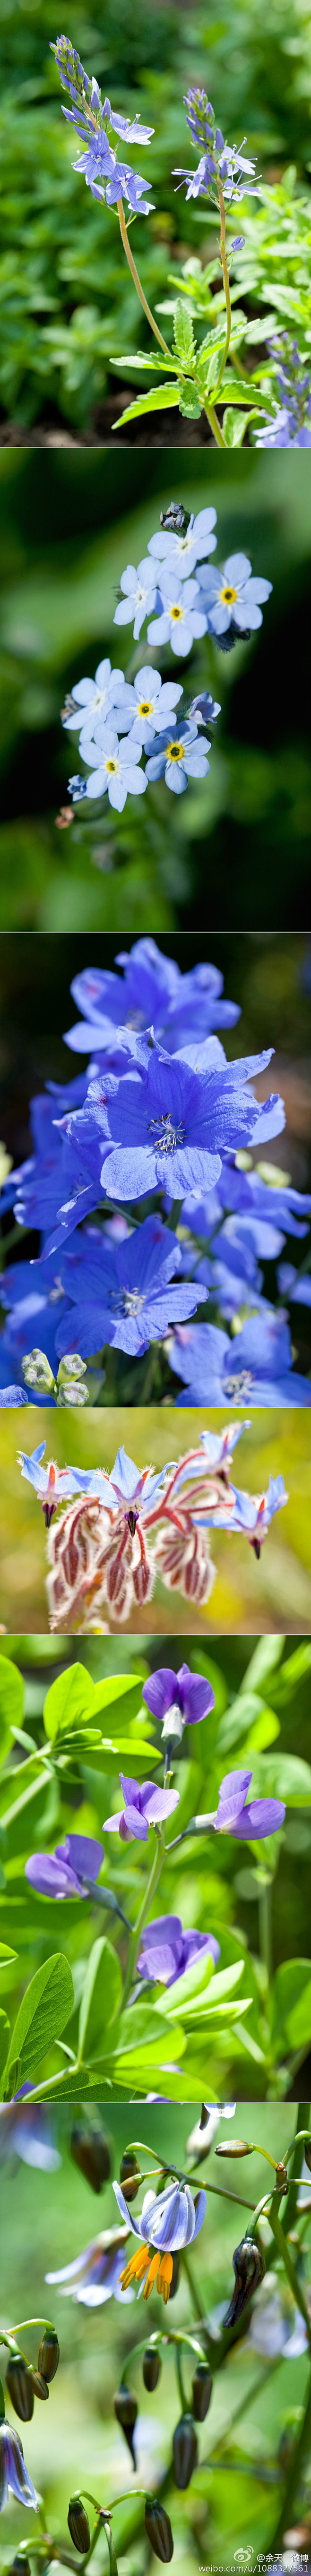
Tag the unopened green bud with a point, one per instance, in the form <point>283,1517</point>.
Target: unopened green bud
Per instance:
<point>201,2391</point>
<point>37,1372</point>
<point>234,2147</point>
<point>19,2387</point>
<point>151,2367</point>
<point>159,2529</point>
<point>129,2175</point>
<point>71,1367</point>
<point>72,1394</point>
<point>126,2410</point>
<point>281,2180</point>
<point>78,2524</point>
<point>185,2450</point>
<point>90,2151</point>
<point>40,2387</point>
<point>48,2355</point>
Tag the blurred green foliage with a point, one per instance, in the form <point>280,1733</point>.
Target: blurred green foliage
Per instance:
<point>275,1593</point>
<point>237,847</point>
<point>256,2406</point>
<point>66,301</point>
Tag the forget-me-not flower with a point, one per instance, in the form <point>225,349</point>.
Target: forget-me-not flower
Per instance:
<point>177,757</point>
<point>184,548</point>
<point>233,596</point>
<point>91,698</point>
<point>180,615</point>
<point>140,592</point>
<point>116,767</point>
<point>153,703</point>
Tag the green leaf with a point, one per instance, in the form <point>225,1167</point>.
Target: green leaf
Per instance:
<point>42,2016</point>
<point>11,1704</point>
<point>285,1776</point>
<point>188,1995</point>
<point>291,2001</point>
<point>235,424</point>
<point>4,2040</point>
<point>101,1998</point>
<point>183,333</point>
<point>138,359</point>
<point>6,1954</point>
<point>189,406</point>
<point>69,1699</point>
<point>267,1654</point>
<point>123,1694</point>
<point>159,400</point>
<point>243,1714</point>
<point>293,1672</point>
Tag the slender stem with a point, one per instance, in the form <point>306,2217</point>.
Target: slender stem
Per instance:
<point>214,424</point>
<point>265,1925</point>
<point>226,284</point>
<point>180,2379</point>
<point>289,2496</point>
<point>292,2276</point>
<point>297,2154</point>
<point>103,1896</point>
<point>134,274</point>
<point>193,2288</point>
<point>157,1864</point>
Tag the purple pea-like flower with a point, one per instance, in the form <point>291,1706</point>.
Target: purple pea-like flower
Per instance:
<point>250,1824</point>
<point>14,2477</point>
<point>166,1950</point>
<point>142,1807</point>
<point>178,1699</point>
<point>67,1871</point>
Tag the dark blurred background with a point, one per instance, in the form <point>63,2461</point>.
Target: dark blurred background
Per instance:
<point>234,848</point>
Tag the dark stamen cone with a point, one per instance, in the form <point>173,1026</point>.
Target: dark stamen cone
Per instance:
<point>78,2524</point>
<point>159,2529</point>
<point>90,2151</point>
<point>201,2391</point>
<point>48,2355</point>
<point>126,2410</point>
<point>19,2387</point>
<point>129,2169</point>
<point>151,2367</point>
<point>185,2450</point>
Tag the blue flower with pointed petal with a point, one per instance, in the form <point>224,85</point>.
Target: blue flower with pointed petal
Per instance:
<point>255,1367</point>
<point>175,1124</point>
<point>14,2477</point>
<point>122,1293</point>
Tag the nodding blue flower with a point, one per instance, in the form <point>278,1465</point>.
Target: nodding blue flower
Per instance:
<point>177,757</point>
<point>14,2477</point>
<point>143,1806</point>
<point>140,592</point>
<point>180,616</point>
<point>67,1871</point>
<point>168,2222</point>
<point>52,1484</point>
<point>248,1823</point>
<point>95,2275</point>
<point>27,2132</point>
<point>178,1699</point>
<point>232,597</point>
<point>166,1951</point>
<point>256,1366</point>
<point>185,548</point>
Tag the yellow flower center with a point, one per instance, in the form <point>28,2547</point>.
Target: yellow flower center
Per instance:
<point>228,595</point>
<point>176,612</point>
<point>111,764</point>
<point>145,708</point>
<point>174,751</point>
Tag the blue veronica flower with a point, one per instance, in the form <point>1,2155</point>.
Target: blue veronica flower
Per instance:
<point>255,1367</point>
<point>140,592</point>
<point>154,994</point>
<point>283,431</point>
<point>236,174</point>
<point>232,597</point>
<point>180,615</point>
<point>177,757</point>
<point>177,1123</point>
<point>184,549</point>
<point>122,1293</point>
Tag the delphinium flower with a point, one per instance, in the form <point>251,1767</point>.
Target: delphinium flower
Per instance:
<point>168,2222</point>
<point>232,597</point>
<point>174,1125</point>
<point>14,2477</point>
<point>166,1951</point>
<point>153,993</point>
<point>143,1806</point>
<point>123,1294</point>
<point>97,2274</point>
<point>256,1366</point>
<point>291,426</point>
<point>178,1699</point>
<point>249,1823</point>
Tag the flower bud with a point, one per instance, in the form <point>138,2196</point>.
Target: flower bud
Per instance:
<point>78,2524</point>
<point>159,2529</point>
<point>71,1367</point>
<point>90,2151</point>
<point>48,2355</point>
<point>20,2565</point>
<point>19,2387</point>
<point>234,2147</point>
<point>128,2171</point>
<point>37,1372</point>
<point>126,2409</point>
<point>151,2367</point>
<point>40,2387</point>
<point>249,2268</point>
<point>185,2450</point>
<point>201,2391</point>
<point>308,2153</point>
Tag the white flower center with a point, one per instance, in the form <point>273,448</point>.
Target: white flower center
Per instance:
<point>239,1385</point>
<point>171,1135</point>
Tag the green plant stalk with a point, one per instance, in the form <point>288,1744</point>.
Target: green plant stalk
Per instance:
<point>290,2490</point>
<point>283,2249</point>
<point>180,2379</point>
<point>265,1926</point>
<point>214,424</point>
<point>157,1865</point>
<point>226,285</point>
<point>295,2152</point>
<point>134,274</point>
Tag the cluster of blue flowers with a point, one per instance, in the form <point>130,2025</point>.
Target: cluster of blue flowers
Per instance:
<point>91,118</point>
<point>221,165</point>
<point>116,719</point>
<point>157,1116</point>
<point>291,426</point>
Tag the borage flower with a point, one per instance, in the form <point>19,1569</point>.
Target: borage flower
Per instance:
<point>14,2477</point>
<point>52,1484</point>
<point>248,1824</point>
<point>166,1950</point>
<point>97,2274</point>
<point>143,1806</point>
<point>167,2224</point>
<point>178,1699</point>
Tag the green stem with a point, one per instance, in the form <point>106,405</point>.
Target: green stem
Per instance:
<point>214,424</point>
<point>226,285</point>
<point>192,2287</point>
<point>179,2377</point>
<point>265,1926</point>
<point>290,2493</point>
<point>283,2249</point>
<point>297,2153</point>
<point>159,1857</point>
<point>134,274</point>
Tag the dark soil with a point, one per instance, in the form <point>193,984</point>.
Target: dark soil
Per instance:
<point>50,431</point>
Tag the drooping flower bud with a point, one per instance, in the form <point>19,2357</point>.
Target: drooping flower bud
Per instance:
<point>78,2524</point>
<point>159,2529</point>
<point>48,2355</point>
<point>40,2386</point>
<point>185,2450</point>
<point>249,2268</point>
<point>129,2170</point>
<point>19,2387</point>
<point>151,2367</point>
<point>126,2410</point>
<point>90,2151</point>
<point>201,2391</point>
<point>234,2147</point>
<point>20,2565</point>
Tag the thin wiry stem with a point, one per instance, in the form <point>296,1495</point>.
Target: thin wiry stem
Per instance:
<point>134,274</point>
